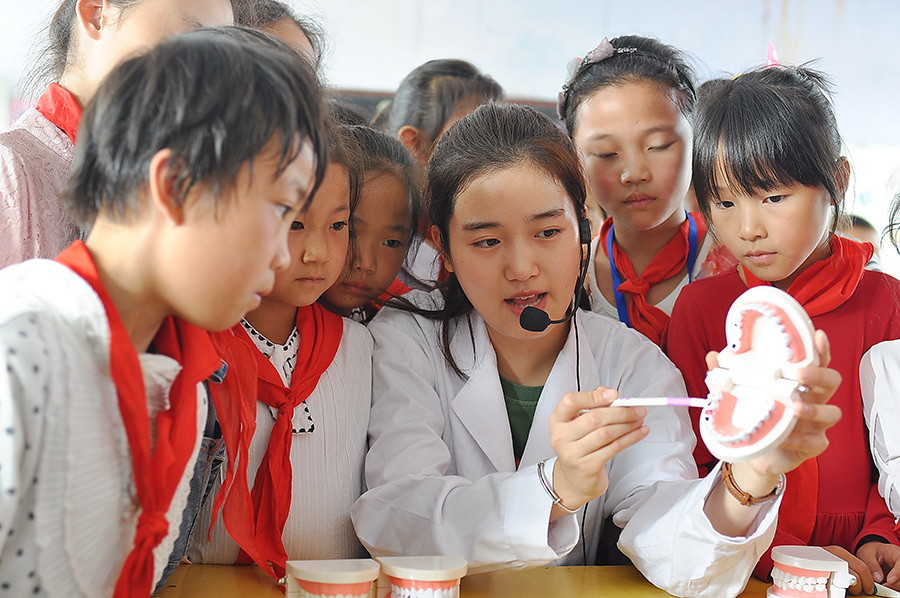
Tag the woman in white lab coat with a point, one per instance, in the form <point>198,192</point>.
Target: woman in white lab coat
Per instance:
<point>457,463</point>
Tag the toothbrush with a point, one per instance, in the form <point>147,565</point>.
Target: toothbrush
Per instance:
<point>659,402</point>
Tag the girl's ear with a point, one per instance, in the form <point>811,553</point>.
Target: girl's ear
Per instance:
<point>161,188</point>
<point>434,235</point>
<point>414,141</point>
<point>89,14</point>
<point>842,173</point>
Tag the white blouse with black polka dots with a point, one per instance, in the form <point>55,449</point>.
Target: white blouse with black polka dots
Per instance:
<point>67,504</point>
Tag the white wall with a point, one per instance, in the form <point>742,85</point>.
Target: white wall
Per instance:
<point>525,45</point>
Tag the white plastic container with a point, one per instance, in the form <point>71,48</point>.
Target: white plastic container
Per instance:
<point>350,578</point>
<point>423,576</point>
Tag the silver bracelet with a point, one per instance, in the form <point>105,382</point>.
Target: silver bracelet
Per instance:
<point>553,495</point>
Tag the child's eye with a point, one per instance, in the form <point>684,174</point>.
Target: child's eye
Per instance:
<point>775,198</point>
<point>549,233</point>
<point>296,225</point>
<point>605,156</point>
<point>285,209</point>
<point>724,204</point>
<point>394,243</point>
<point>485,243</point>
<point>340,225</point>
<point>662,147</point>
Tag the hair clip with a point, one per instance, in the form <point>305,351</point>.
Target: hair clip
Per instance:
<point>771,56</point>
<point>603,51</point>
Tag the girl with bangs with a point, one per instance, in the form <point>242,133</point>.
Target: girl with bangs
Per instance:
<point>770,181</point>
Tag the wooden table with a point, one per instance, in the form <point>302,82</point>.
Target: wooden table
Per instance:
<point>220,581</point>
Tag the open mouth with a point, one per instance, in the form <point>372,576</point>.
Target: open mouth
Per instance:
<point>784,337</point>
<point>739,423</point>
<point>520,302</point>
<point>749,412</point>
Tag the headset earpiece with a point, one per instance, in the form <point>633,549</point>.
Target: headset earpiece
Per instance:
<point>584,231</point>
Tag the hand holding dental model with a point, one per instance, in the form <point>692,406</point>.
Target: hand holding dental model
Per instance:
<point>749,412</point>
<point>774,363</point>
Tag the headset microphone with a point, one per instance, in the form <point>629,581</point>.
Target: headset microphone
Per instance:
<point>534,319</point>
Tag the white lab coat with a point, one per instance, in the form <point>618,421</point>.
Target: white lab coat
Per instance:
<point>442,477</point>
<point>879,379</point>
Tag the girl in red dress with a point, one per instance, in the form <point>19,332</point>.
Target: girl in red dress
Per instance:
<point>770,181</point>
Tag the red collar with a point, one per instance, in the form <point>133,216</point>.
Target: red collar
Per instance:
<point>828,283</point>
<point>60,107</point>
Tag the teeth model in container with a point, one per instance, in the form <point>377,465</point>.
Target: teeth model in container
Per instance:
<point>424,576</point>
<point>808,572</point>
<point>350,578</point>
<point>749,411</point>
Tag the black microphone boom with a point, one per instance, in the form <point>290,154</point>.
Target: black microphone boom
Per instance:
<point>534,319</point>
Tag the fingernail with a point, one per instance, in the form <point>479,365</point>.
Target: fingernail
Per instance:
<point>877,576</point>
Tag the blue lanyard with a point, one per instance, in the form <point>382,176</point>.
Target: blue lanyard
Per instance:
<point>621,307</point>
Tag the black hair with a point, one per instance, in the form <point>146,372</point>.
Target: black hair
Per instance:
<point>634,58</point>
<point>255,90</point>
<point>430,93</point>
<point>258,14</point>
<point>892,231</point>
<point>341,113</point>
<point>768,127</point>
<point>854,221</point>
<point>493,138</point>
<point>56,52</point>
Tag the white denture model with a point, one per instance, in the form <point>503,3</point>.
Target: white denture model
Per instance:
<point>749,410</point>
<point>808,572</point>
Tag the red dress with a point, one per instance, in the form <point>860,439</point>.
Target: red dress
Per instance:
<point>849,507</point>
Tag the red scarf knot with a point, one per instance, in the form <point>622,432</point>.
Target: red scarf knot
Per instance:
<point>154,526</point>
<point>648,319</point>
<point>638,286</point>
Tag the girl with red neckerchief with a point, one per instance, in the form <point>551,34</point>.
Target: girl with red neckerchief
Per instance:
<point>311,396</point>
<point>383,228</point>
<point>104,352</point>
<point>88,38</point>
<point>629,106</point>
<point>770,181</point>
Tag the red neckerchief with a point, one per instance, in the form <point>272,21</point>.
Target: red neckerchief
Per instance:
<point>235,404</point>
<point>157,471</point>
<point>648,319</point>
<point>320,334</point>
<point>60,107</point>
<point>821,288</point>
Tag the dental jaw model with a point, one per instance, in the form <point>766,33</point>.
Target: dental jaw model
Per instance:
<point>770,337</point>
<point>808,572</point>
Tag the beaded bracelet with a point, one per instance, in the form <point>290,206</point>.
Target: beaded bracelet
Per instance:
<point>553,495</point>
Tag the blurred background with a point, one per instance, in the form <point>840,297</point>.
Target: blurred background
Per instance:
<point>525,45</point>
